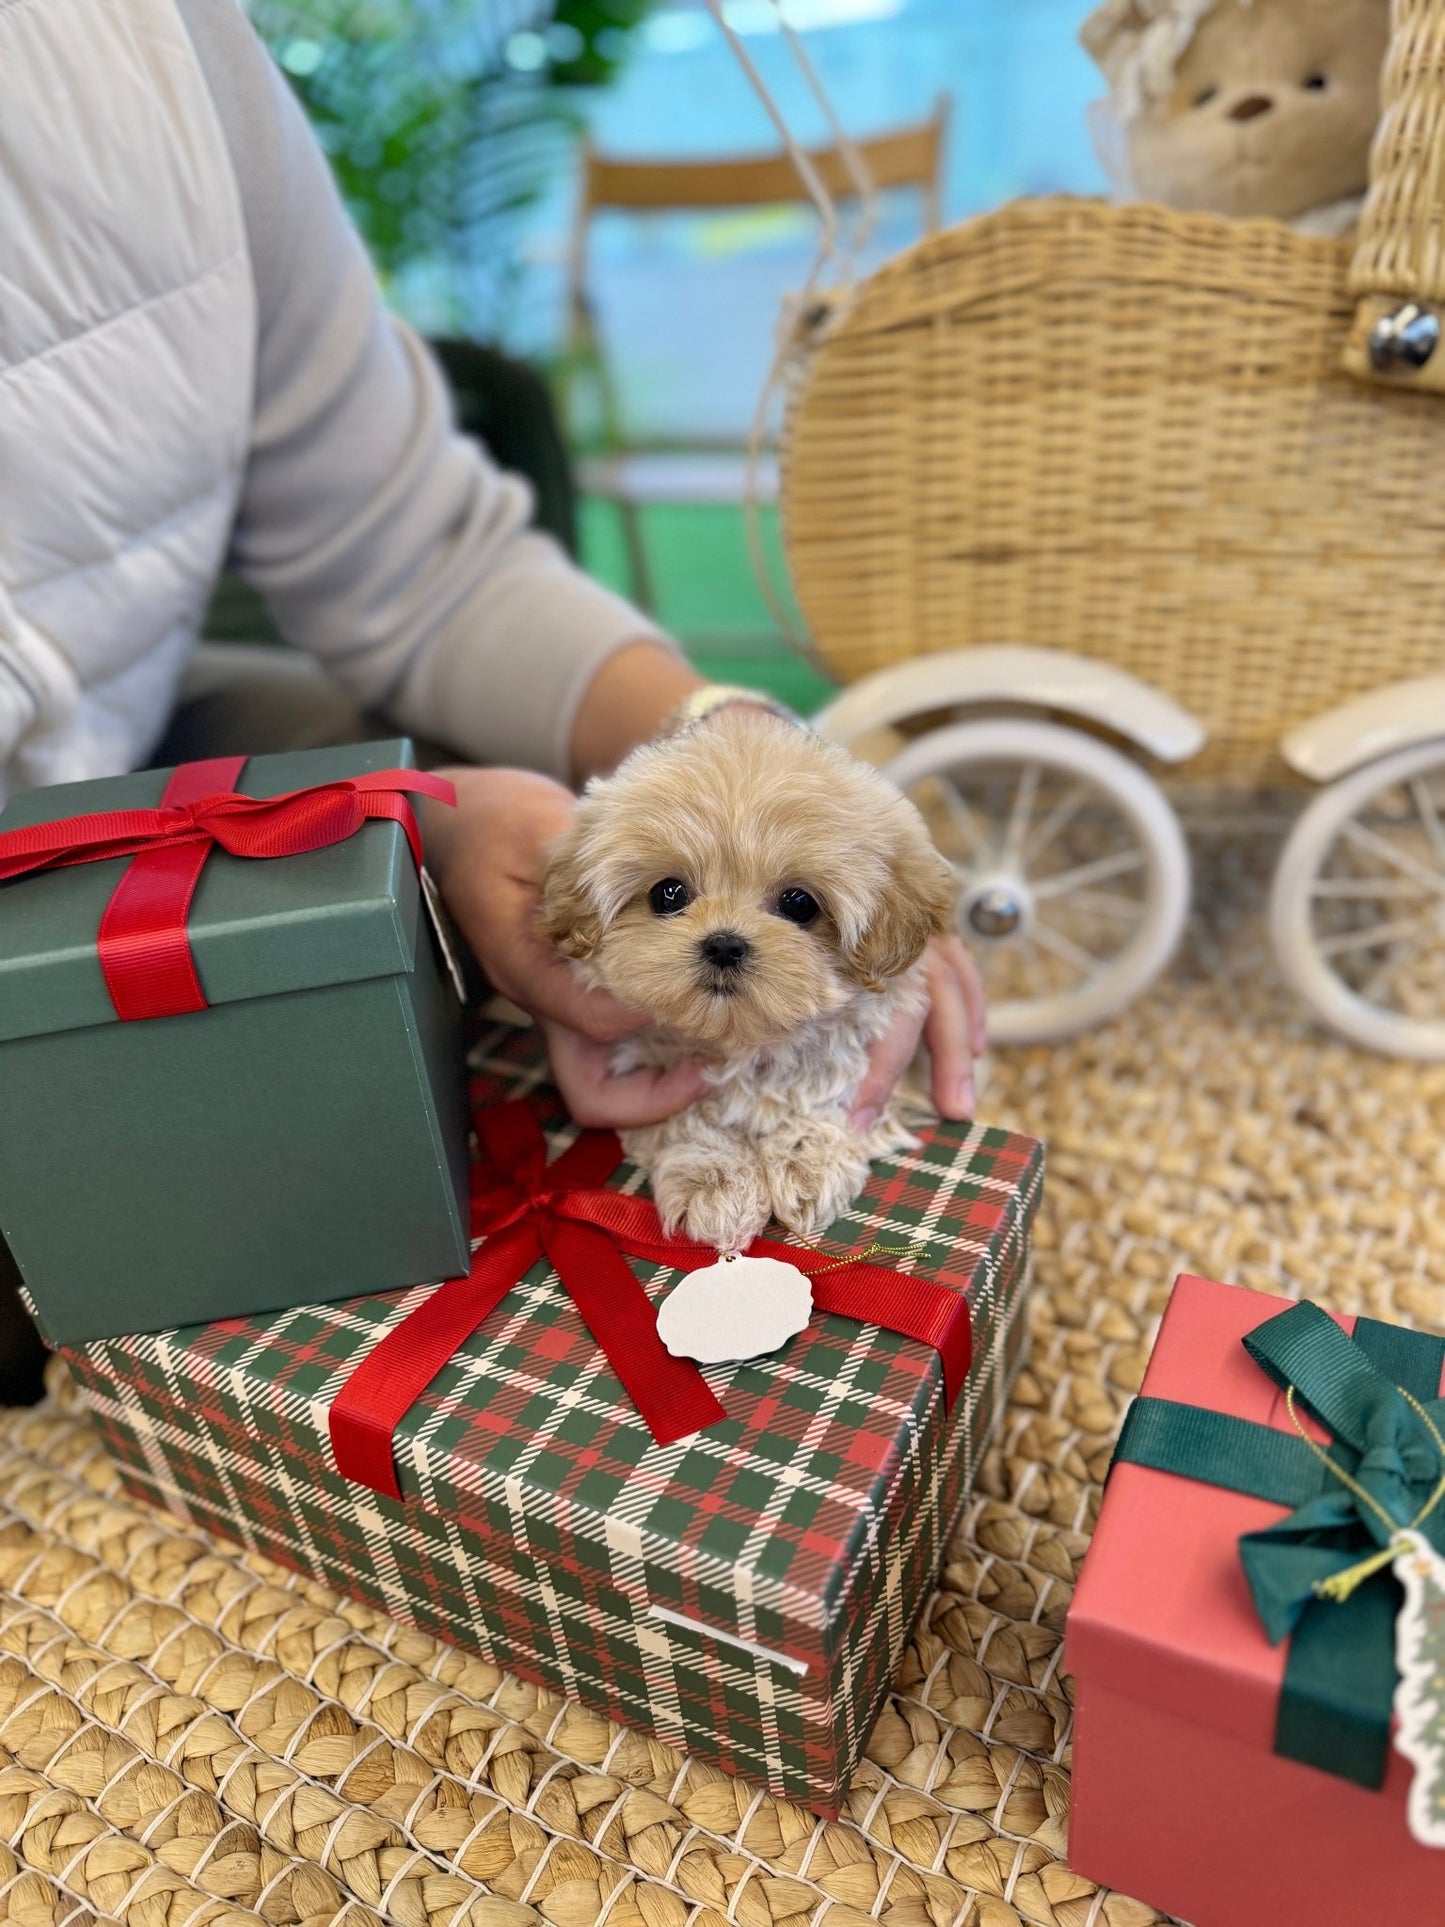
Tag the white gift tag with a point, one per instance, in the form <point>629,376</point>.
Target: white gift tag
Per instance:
<point>738,1308</point>
<point>1420,1695</point>
<point>431,897</point>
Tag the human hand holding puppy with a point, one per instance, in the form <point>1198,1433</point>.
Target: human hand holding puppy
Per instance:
<point>489,857</point>
<point>777,909</point>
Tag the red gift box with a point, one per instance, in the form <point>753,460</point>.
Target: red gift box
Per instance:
<point>1178,1795</point>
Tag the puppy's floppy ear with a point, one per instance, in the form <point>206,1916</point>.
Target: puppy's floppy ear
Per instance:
<point>569,915</point>
<point>917,902</point>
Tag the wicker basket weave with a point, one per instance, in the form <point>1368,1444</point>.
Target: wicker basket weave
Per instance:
<point>1131,433</point>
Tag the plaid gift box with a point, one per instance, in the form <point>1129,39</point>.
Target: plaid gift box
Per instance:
<point>745,1593</point>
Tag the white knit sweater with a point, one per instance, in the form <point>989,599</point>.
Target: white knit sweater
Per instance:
<point>194,363</point>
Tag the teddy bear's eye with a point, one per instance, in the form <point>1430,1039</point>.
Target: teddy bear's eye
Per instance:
<point>1203,98</point>
<point>669,896</point>
<point>797,906</point>
<point>1316,83</point>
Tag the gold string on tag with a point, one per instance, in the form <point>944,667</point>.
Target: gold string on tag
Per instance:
<point>859,1257</point>
<point>1340,1585</point>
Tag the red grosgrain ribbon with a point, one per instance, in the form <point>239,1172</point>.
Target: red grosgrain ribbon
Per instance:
<point>524,1208</point>
<point>145,952</point>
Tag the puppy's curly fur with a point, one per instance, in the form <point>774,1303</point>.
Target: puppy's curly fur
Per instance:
<point>684,887</point>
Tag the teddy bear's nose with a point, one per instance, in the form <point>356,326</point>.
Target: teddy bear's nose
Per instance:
<point>1251,107</point>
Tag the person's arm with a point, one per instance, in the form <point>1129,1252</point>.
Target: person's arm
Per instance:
<point>627,701</point>
<point>383,541</point>
<point>393,549</point>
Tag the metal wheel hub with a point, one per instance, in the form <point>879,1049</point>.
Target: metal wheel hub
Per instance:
<point>996,908</point>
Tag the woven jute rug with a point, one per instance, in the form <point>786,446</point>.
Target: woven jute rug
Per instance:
<point>189,1734</point>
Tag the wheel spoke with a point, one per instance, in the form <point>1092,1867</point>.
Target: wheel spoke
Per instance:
<point>1370,989</point>
<point>1047,938</point>
<point>1379,846</point>
<point>1377,933</point>
<point>1033,976</point>
<point>1429,817</point>
<point>1020,816</point>
<point>1099,871</point>
<point>1057,820</point>
<point>964,818</point>
<point>1103,903</point>
<point>1026,967</point>
<point>1370,889</point>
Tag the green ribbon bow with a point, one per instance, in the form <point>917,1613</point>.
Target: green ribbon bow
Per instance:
<point>1339,1681</point>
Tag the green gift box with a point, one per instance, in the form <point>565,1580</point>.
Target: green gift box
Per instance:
<point>302,1138</point>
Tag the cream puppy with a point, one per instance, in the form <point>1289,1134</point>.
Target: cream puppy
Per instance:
<point>766,899</point>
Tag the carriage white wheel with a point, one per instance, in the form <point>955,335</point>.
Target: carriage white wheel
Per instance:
<point>1357,912</point>
<point>1072,869</point>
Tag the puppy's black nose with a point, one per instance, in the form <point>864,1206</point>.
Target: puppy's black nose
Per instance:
<point>1251,107</point>
<point>725,950</point>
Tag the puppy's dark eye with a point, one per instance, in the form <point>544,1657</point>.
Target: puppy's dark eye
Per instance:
<point>668,897</point>
<point>797,906</point>
<point>1203,98</point>
<point>1315,83</point>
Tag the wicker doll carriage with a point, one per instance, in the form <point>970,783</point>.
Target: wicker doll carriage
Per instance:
<point>1075,495</point>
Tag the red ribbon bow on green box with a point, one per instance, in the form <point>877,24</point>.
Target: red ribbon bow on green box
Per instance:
<point>524,1209</point>
<point>145,952</point>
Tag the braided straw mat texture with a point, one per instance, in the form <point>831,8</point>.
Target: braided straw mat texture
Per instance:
<point>191,1735</point>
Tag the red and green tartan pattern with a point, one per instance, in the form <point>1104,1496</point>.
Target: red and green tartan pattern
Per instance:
<point>744,1593</point>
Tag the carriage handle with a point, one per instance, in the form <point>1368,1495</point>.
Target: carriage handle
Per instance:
<point>840,240</point>
<point>1398,273</point>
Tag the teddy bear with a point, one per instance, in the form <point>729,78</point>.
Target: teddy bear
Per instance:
<point>1242,107</point>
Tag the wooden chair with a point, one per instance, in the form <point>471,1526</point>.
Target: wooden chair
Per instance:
<point>632,474</point>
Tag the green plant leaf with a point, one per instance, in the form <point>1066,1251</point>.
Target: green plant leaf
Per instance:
<point>441,146</point>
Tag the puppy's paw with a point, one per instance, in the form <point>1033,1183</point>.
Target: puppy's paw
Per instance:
<point>813,1172</point>
<point>718,1201</point>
